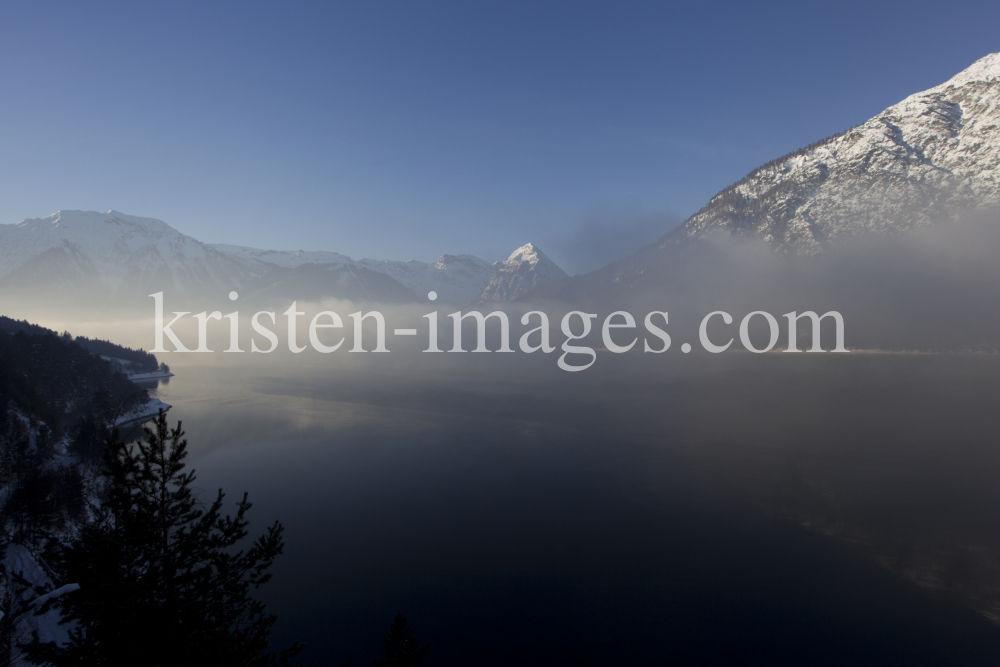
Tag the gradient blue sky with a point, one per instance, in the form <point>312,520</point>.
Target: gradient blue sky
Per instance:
<point>404,130</point>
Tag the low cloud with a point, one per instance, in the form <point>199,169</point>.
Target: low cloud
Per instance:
<point>606,236</point>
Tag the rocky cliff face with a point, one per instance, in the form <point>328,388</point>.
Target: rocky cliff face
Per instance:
<point>525,269</point>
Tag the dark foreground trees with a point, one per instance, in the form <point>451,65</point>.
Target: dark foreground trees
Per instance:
<point>162,582</point>
<point>402,649</point>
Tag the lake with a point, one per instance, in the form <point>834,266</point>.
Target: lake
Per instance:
<point>732,509</point>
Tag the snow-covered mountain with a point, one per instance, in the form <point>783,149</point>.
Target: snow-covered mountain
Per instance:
<point>526,269</point>
<point>116,256</point>
<point>457,279</point>
<point>89,258</point>
<point>286,259</point>
<point>930,157</point>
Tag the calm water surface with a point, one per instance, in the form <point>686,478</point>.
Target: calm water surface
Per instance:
<point>748,510</point>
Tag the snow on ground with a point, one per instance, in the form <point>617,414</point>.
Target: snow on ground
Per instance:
<point>142,413</point>
<point>21,561</point>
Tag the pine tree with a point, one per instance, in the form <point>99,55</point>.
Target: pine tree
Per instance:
<point>161,581</point>
<point>402,649</point>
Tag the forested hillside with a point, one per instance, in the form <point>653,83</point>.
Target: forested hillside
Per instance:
<point>139,361</point>
<point>52,379</point>
<point>80,568</point>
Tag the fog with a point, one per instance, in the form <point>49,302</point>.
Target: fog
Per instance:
<point>928,290</point>
<point>791,500</point>
<point>606,236</point>
<point>932,289</point>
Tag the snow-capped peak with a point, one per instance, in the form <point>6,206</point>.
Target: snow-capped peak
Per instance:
<point>929,157</point>
<point>525,269</point>
<point>986,69</point>
<point>527,253</point>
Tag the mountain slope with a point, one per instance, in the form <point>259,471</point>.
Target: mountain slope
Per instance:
<point>932,154</point>
<point>117,256</point>
<point>929,157</point>
<point>86,258</point>
<point>526,269</point>
<point>457,279</point>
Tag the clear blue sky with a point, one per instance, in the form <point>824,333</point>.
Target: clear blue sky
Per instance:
<point>407,129</point>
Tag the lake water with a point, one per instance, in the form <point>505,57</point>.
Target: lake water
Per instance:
<point>741,509</point>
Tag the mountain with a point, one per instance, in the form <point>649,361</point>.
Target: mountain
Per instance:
<point>73,255</point>
<point>526,269</point>
<point>89,258</point>
<point>85,258</point>
<point>930,157</point>
<point>457,279</point>
<point>313,282</point>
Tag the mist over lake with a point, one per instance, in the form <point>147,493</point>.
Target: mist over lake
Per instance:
<point>821,508</point>
<point>515,334</point>
<point>660,505</point>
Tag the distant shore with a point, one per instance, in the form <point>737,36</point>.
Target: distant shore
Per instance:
<point>153,375</point>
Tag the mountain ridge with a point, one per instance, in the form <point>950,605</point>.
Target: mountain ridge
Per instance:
<point>942,138</point>
<point>932,156</point>
<point>71,254</point>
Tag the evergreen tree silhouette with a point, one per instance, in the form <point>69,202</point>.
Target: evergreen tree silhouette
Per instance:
<point>161,581</point>
<point>402,649</point>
